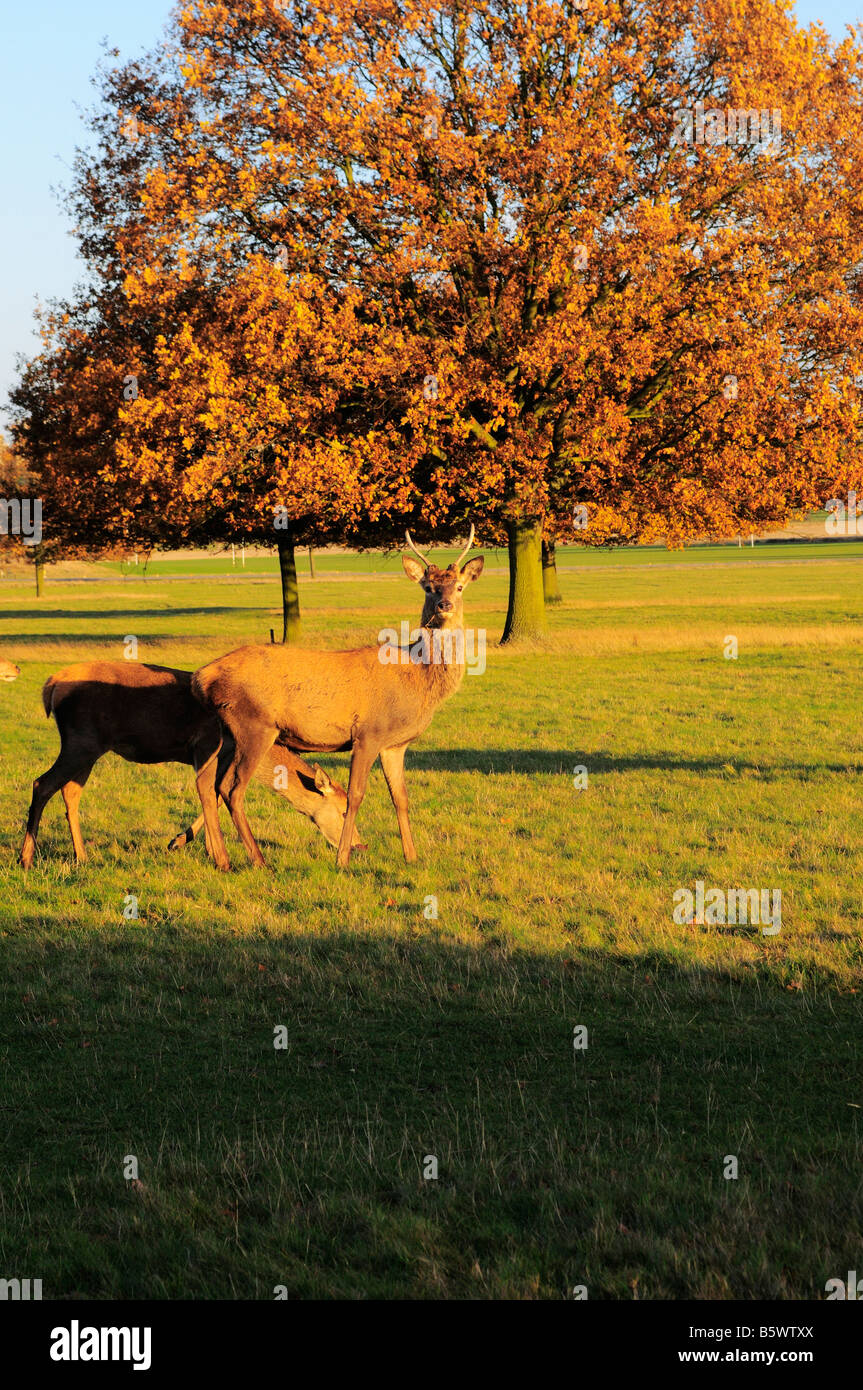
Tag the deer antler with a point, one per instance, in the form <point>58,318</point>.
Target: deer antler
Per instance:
<point>469,544</point>
<point>414,549</point>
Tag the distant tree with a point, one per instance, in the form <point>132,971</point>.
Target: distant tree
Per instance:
<point>21,514</point>
<point>13,473</point>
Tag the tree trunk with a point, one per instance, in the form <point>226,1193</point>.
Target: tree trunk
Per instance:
<point>39,563</point>
<point>290,592</point>
<point>526,613</point>
<point>550,589</point>
<point>311,562</point>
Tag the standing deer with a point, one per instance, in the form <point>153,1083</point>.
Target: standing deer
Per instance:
<point>147,714</point>
<point>335,701</point>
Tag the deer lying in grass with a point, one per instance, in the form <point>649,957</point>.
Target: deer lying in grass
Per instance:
<point>9,671</point>
<point>334,701</point>
<point>147,714</point>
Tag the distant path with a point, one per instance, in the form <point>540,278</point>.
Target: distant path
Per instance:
<point>352,576</point>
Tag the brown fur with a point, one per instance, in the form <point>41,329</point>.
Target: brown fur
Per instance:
<point>325,701</point>
<point>147,714</point>
<point>9,671</point>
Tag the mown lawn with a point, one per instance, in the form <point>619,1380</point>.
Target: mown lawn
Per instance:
<point>453,1037</point>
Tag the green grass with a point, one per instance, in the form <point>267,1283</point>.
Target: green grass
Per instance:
<point>453,1037</point>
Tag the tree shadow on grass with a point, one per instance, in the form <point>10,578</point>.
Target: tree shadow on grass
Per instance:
<point>92,639</point>
<point>555,761</point>
<point>78,615</point>
<point>303,1164</point>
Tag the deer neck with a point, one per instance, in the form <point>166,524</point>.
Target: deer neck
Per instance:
<point>444,663</point>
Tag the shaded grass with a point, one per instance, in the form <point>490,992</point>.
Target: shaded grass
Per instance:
<point>304,1167</point>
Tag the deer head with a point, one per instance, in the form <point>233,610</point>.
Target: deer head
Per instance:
<point>9,671</point>
<point>443,607</point>
<point>329,812</point>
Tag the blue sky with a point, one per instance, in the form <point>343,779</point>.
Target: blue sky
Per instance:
<point>48,54</point>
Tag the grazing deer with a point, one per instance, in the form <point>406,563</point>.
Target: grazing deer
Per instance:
<point>147,714</point>
<point>9,671</point>
<point>335,701</point>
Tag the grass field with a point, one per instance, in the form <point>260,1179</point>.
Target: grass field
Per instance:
<point>453,1037</point>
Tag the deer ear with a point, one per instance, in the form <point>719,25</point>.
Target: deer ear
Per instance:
<point>413,568</point>
<point>322,781</point>
<point>473,569</point>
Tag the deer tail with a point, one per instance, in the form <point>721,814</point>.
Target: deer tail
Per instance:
<point>48,696</point>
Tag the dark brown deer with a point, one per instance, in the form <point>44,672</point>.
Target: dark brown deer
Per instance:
<point>335,701</point>
<point>147,714</point>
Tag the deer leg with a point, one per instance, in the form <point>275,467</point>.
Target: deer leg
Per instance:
<point>251,745</point>
<point>361,765</point>
<point>224,754</point>
<point>205,781</point>
<point>393,764</point>
<point>71,765</point>
<point>72,795</point>
<point>186,836</point>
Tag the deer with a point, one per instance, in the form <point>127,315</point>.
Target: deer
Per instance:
<point>340,701</point>
<point>9,671</point>
<point>147,714</point>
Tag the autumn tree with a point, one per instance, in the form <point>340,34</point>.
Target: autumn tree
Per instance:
<point>188,435</point>
<point>176,404</point>
<point>577,270</point>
